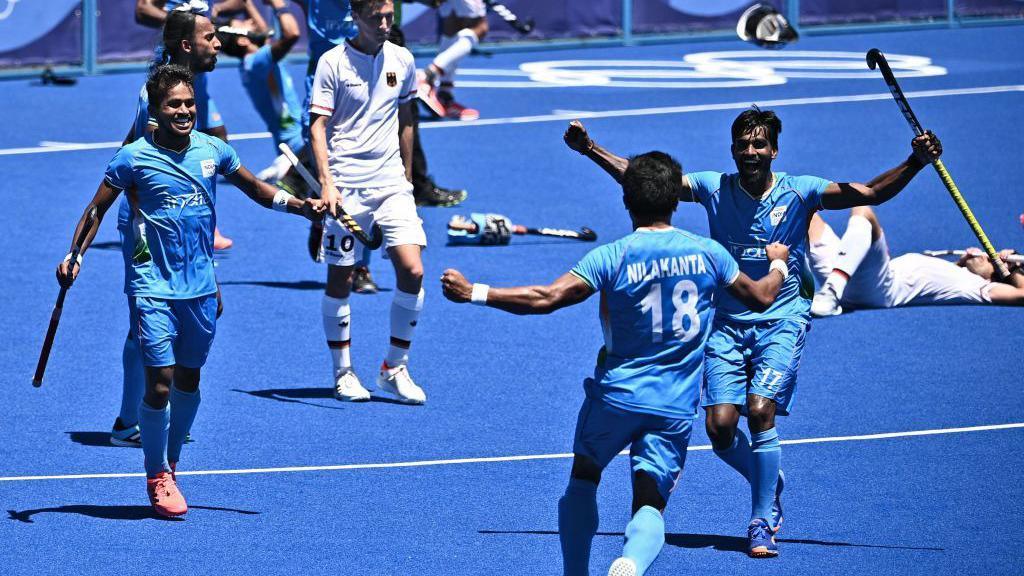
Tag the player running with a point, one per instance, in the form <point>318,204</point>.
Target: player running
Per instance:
<point>753,356</point>
<point>658,287</point>
<point>463,26</point>
<point>361,135</point>
<point>170,178</point>
<point>855,271</point>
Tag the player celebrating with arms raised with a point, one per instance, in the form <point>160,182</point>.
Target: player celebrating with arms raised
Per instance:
<point>657,290</point>
<point>753,355</point>
<point>361,136</point>
<point>170,176</point>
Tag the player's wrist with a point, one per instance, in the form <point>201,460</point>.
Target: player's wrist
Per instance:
<point>479,294</point>
<point>780,266</point>
<point>916,163</point>
<point>281,201</point>
<point>78,259</point>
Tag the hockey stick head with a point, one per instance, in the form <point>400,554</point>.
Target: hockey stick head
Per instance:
<point>525,27</point>
<point>587,235</point>
<point>874,57</point>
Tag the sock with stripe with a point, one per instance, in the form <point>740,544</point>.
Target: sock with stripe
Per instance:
<point>853,247</point>
<point>337,317</point>
<point>405,314</point>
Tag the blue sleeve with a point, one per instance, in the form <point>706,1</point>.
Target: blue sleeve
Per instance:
<point>811,188</point>
<point>141,116</point>
<point>260,62</point>
<point>726,268</point>
<point>704,184</point>
<point>229,162</point>
<point>119,173</point>
<point>598,267</point>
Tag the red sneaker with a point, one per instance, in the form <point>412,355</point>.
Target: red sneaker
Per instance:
<point>455,111</point>
<point>426,92</point>
<point>165,497</point>
<point>221,242</point>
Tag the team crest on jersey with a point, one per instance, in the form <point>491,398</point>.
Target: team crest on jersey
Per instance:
<point>209,168</point>
<point>778,215</point>
<point>392,79</point>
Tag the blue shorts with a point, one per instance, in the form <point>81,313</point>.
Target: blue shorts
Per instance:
<point>174,332</point>
<point>760,359</point>
<point>657,444</point>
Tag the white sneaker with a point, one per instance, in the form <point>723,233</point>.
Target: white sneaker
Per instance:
<point>825,303</point>
<point>622,567</point>
<point>348,388</point>
<point>398,382</point>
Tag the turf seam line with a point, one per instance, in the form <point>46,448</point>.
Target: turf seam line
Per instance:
<point>491,459</point>
<point>50,146</point>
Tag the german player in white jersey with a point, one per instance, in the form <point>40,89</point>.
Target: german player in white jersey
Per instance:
<point>361,136</point>
<point>856,271</point>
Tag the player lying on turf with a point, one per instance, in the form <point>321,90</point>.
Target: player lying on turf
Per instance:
<point>170,178</point>
<point>658,291</point>
<point>855,271</point>
<point>753,355</point>
<point>361,130</point>
<point>463,26</point>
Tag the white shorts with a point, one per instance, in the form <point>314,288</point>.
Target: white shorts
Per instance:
<point>907,280</point>
<point>463,9</point>
<point>392,208</point>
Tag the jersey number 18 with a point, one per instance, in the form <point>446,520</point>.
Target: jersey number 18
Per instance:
<point>681,309</point>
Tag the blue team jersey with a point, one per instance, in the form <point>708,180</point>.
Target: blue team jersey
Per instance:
<point>273,95</point>
<point>172,196</point>
<point>745,225</point>
<point>657,291</point>
<point>329,23</point>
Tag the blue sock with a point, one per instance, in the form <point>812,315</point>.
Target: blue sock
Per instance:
<point>767,460</point>
<point>183,413</point>
<point>738,455</point>
<point>577,524</point>
<point>645,535</point>
<point>153,425</point>
<point>133,381</point>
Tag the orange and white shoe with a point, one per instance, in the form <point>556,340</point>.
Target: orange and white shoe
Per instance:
<point>165,497</point>
<point>221,242</point>
<point>455,111</point>
<point>426,93</point>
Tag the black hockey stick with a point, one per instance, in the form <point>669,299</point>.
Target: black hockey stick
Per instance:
<point>510,18</point>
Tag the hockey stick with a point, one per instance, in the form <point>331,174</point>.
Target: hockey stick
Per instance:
<point>875,58</point>
<point>585,234</point>
<point>349,222</point>
<point>58,307</point>
<point>1013,258</point>
<point>521,26</point>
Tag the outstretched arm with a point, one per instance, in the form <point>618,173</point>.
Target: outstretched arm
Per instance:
<point>150,13</point>
<point>567,290</point>
<point>289,29</point>
<point>270,197</point>
<point>104,197</point>
<point>840,195</point>
<point>759,295</point>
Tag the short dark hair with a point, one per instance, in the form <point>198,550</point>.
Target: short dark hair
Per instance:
<point>179,25</point>
<point>165,77</point>
<point>358,6</point>
<point>754,118</point>
<point>652,184</point>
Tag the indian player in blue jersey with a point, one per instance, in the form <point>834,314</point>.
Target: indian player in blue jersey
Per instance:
<point>170,178</point>
<point>659,287</point>
<point>753,355</point>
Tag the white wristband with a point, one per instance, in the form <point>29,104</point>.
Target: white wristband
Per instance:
<point>479,296</point>
<point>280,202</point>
<point>781,266</point>
<point>78,260</point>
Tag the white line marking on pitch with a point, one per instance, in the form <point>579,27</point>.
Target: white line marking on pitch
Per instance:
<point>572,115</point>
<point>419,463</point>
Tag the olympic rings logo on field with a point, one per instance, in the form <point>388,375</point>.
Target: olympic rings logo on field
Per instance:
<point>726,69</point>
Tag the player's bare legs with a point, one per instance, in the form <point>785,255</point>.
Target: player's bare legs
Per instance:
<point>862,230</point>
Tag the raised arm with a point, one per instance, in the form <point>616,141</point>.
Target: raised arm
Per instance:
<point>289,29</point>
<point>759,295</point>
<point>270,197</point>
<point>104,197</point>
<point>150,13</point>
<point>577,138</point>
<point>567,290</point>
<point>840,195</point>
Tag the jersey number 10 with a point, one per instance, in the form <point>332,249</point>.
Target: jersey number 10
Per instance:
<point>681,309</point>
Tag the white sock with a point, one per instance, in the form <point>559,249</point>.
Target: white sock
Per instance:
<point>853,247</point>
<point>405,313</point>
<point>464,43</point>
<point>337,318</point>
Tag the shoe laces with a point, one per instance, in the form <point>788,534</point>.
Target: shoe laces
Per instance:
<point>163,485</point>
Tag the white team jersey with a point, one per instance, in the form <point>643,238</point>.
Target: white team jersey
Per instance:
<point>907,280</point>
<point>360,94</point>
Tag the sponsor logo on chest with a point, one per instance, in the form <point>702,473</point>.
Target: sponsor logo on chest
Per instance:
<point>209,168</point>
<point>778,214</point>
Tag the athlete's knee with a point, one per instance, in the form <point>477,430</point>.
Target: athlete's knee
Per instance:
<point>583,468</point>
<point>338,285</point>
<point>868,214</point>
<point>186,379</point>
<point>158,386</point>
<point>760,413</point>
<point>645,492</point>
<point>720,425</point>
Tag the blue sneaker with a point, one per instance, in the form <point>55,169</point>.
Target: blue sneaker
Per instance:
<point>776,519</point>
<point>127,436</point>
<point>760,540</point>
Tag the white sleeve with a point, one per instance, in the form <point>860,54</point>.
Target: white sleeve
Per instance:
<point>408,91</point>
<point>324,83</point>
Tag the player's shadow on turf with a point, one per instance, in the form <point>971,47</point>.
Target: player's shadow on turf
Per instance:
<point>724,543</point>
<point>301,395</point>
<point>299,285</point>
<point>101,439</point>
<point>111,512</point>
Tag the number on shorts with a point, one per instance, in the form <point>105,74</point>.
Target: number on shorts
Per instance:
<point>770,379</point>
<point>346,243</point>
<point>681,309</point>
